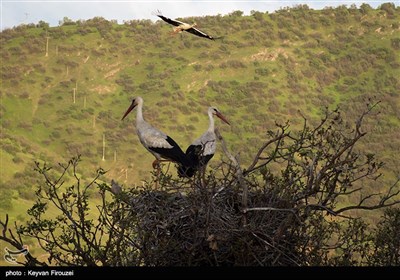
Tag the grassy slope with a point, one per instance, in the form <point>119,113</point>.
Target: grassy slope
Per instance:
<point>267,67</point>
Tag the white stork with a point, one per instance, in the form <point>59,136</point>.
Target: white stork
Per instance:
<point>163,147</point>
<point>203,148</point>
<point>182,26</point>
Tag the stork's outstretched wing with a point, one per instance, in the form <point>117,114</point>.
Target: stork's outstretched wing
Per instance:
<point>168,20</point>
<point>197,32</point>
<point>173,152</point>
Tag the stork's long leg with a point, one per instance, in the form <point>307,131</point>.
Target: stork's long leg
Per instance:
<point>156,165</point>
<point>203,176</point>
<point>173,32</point>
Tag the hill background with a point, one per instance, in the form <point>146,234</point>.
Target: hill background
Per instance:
<point>268,68</point>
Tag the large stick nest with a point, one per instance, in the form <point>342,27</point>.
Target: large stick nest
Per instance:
<point>200,226</point>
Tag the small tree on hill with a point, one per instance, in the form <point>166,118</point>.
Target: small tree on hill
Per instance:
<point>387,240</point>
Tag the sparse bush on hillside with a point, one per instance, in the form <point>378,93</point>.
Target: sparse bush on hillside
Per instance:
<point>389,8</point>
<point>395,42</point>
<point>11,72</point>
<point>5,198</point>
<point>17,160</point>
<point>283,209</point>
<point>25,125</point>
<point>126,82</point>
<point>10,148</point>
<point>341,14</point>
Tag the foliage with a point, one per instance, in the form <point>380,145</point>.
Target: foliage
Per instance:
<point>387,240</point>
<point>5,198</point>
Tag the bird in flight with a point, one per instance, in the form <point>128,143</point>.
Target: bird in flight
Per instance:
<point>182,26</point>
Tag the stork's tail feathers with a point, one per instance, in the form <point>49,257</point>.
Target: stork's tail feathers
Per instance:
<point>185,171</point>
<point>186,166</point>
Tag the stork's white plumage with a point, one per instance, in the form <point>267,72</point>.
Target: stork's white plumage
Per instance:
<point>183,26</point>
<point>203,148</point>
<point>157,142</point>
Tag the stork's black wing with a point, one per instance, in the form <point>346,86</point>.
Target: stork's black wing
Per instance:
<point>170,21</point>
<point>175,153</point>
<point>199,33</point>
<point>194,153</point>
<point>185,164</point>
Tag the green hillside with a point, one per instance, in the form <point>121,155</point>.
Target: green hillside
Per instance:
<point>267,68</point>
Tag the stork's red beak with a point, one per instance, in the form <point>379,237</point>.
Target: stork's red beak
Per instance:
<point>219,115</point>
<point>133,105</point>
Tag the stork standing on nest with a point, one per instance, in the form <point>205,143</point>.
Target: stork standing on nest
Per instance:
<point>203,148</point>
<point>182,26</point>
<point>163,147</point>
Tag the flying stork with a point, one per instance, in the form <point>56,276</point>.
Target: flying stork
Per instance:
<point>163,147</point>
<point>203,148</point>
<point>182,26</point>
